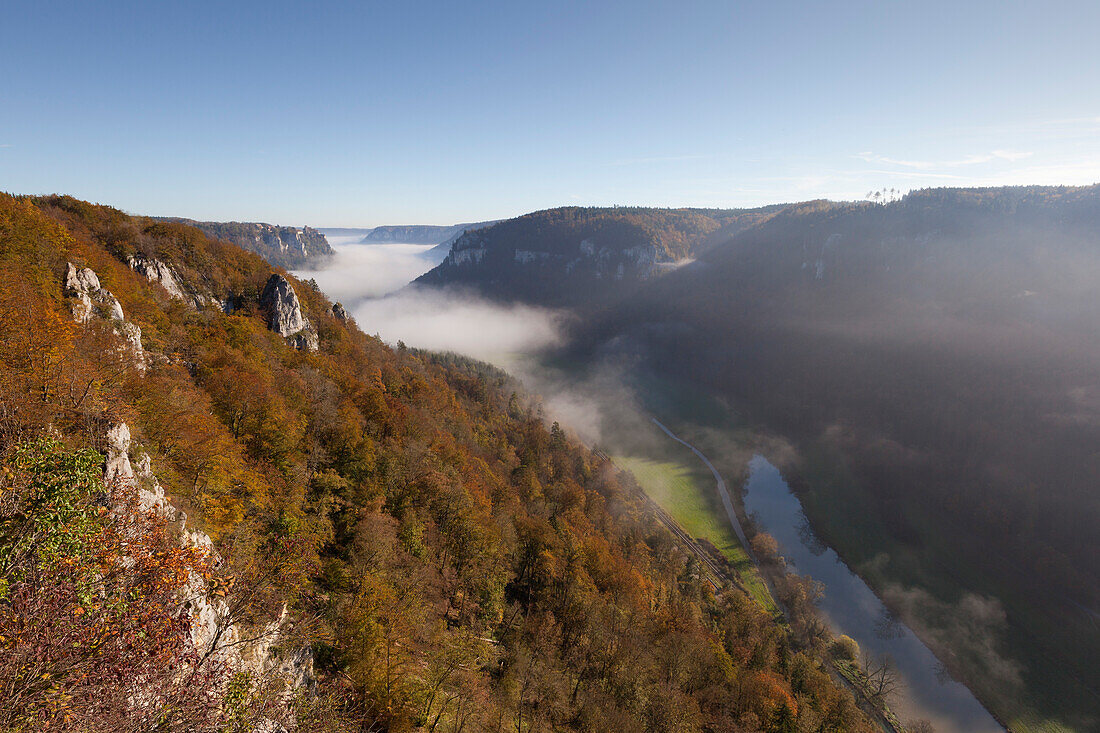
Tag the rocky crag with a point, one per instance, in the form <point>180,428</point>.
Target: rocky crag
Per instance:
<point>288,247</point>
<point>214,636</point>
<point>90,299</point>
<point>285,314</point>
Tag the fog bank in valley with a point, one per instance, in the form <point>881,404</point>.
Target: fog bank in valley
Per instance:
<point>360,271</point>
<point>371,279</point>
<point>447,320</point>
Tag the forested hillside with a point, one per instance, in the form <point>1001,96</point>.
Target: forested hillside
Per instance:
<point>406,522</point>
<point>281,246</point>
<point>936,362</point>
<point>573,255</point>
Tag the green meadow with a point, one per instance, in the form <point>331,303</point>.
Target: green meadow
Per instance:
<point>684,488</point>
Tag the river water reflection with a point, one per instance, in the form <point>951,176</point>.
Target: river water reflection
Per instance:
<point>850,607</point>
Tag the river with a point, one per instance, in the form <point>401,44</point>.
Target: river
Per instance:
<point>851,607</point>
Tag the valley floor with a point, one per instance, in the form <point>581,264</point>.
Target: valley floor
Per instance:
<point>682,485</point>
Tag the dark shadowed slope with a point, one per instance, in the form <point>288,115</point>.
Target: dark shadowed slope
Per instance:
<point>937,362</point>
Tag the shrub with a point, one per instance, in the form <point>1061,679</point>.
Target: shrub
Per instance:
<point>845,647</point>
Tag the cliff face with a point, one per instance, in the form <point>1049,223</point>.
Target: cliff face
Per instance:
<point>421,233</point>
<point>285,313</point>
<point>90,299</point>
<point>410,234</point>
<point>287,247</point>
<point>214,633</point>
<point>166,276</point>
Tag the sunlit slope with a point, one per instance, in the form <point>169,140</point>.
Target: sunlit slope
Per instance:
<point>449,558</point>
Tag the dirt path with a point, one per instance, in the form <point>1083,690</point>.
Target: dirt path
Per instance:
<point>722,492</point>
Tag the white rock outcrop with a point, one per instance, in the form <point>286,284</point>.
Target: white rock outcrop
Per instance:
<point>467,256</point>
<point>83,284</point>
<point>286,317</point>
<point>131,333</point>
<point>306,340</point>
<point>285,313</point>
<point>118,468</point>
<point>91,298</point>
<point>156,271</point>
<point>213,635</point>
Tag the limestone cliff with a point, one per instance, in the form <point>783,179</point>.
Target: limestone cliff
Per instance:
<point>165,275</point>
<point>213,633</point>
<point>287,247</point>
<point>285,313</point>
<point>82,283</point>
<point>90,298</point>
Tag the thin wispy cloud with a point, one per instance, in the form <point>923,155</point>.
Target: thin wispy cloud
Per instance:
<point>995,155</point>
<point>656,159</point>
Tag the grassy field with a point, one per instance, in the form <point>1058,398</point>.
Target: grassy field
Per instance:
<point>689,495</point>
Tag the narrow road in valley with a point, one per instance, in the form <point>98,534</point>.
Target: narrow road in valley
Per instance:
<point>726,501</point>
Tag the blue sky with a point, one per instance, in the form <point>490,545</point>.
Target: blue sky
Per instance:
<point>365,113</point>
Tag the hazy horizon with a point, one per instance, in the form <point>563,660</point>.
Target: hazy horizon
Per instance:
<point>433,114</point>
<point>322,226</point>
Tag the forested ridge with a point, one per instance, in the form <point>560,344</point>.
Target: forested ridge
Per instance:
<point>281,246</point>
<point>451,562</point>
<point>575,255</point>
<point>935,362</point>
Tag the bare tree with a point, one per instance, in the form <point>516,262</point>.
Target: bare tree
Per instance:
<point>883,680</point>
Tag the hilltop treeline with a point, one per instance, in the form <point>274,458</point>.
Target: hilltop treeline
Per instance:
<point>453,564</point>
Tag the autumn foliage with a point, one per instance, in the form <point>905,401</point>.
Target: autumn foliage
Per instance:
<point>453,564</point>
<point>91,630</point>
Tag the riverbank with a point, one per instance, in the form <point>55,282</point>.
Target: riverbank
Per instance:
<point>850,607</point>
<point>681,495</point>
<point>828,494</point>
